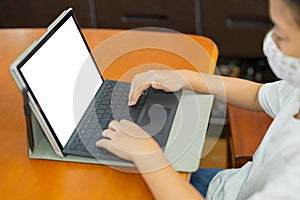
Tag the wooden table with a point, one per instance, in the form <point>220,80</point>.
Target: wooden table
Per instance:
<point>23,178</point>
<point>247,129</point>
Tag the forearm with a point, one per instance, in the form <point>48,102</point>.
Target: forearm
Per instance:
<point>239,92</point>
<point>129,141</point>
<point>163,181</point>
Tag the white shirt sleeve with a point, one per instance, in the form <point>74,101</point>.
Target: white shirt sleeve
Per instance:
<point>272,96</point>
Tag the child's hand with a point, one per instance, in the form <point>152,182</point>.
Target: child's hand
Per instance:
<point>167,80</point>
<point>128,141</point>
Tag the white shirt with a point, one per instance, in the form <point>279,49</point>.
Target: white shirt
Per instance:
<point>274,172</point>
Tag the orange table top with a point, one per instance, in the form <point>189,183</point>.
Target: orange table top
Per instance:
<point>23,178</point>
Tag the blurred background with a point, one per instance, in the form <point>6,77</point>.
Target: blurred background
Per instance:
<point>237,27</point>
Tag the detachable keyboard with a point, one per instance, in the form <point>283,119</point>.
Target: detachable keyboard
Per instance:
<point>110,104</point>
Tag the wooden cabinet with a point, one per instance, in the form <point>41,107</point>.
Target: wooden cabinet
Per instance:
<point>126,14</point>
<point>179,15</point>
<point>237,26</point>
<point>40,13</point>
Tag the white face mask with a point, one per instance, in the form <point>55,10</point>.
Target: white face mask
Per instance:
<point>285,67</point>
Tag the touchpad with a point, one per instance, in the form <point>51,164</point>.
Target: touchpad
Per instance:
<point>156,122</point>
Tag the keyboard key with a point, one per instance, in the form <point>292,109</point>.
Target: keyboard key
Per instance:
<point>103,107</point>
<point>105,101</point>
<point>73,146</point>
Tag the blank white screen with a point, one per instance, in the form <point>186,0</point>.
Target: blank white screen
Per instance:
<point>63,78</point>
